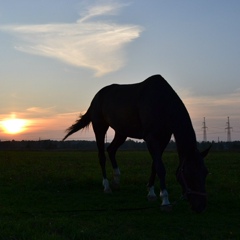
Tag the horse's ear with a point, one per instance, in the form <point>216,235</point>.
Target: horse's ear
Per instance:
<point>205,152</point>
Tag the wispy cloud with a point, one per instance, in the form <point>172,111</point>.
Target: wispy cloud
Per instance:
<point>111,8</point>
<point>97,45</point>
<point>39,110</point>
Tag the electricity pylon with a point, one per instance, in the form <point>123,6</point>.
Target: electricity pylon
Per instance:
<point>204,130</point>
<point>228,130</point>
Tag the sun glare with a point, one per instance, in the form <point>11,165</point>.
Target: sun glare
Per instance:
<point>14,125</point>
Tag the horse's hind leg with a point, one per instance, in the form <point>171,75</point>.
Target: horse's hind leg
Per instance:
<point>151,193</point>
<point>112,149</point>
<point>100,132</point>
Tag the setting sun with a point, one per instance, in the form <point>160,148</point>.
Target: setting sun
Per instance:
<point>14,125</point>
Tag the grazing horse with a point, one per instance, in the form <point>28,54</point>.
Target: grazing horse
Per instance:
<point>150,110</point>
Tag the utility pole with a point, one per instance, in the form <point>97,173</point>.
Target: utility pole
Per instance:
<point>204,130</point>
<point>228,130</point>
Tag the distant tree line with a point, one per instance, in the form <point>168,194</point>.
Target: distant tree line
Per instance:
<point>91,145</point>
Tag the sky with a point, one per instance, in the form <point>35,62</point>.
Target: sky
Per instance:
<point>55,55</point>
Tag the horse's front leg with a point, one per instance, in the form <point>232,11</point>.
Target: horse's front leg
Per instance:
<point>161,172</point>
<point>163,193</point>
<point>159,169</point>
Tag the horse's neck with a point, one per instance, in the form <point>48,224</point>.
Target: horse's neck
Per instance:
<point>185,137</point>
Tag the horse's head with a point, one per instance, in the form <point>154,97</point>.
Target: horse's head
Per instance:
<point>191,174</point>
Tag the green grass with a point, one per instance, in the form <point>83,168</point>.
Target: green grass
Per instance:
<point>58,195</point>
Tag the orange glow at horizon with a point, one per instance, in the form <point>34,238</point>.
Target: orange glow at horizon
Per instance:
<point>14,125</point>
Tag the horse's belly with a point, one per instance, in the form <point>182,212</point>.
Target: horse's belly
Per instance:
<point>129,130</point>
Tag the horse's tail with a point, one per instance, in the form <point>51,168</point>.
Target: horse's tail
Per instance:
<point>83,121</point>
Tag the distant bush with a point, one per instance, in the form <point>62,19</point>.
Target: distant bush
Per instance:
<point>91,145</point>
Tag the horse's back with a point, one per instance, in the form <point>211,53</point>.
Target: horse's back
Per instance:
<point>134,109</point>
<point>153,86</point>
<point>133,97</point>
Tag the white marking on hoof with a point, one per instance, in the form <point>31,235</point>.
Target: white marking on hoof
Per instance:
<point>151,194</point>
<point>106,186</point>
<point>164,197</point>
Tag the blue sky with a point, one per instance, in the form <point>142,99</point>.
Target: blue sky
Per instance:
<point>55,55</point>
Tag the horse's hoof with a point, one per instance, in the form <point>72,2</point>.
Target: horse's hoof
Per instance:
<point>115,185</point>
<point>108,190</point>
<point>152,198</point>
<point>166,208</point>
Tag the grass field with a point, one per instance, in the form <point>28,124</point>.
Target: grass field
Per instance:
<point>58,195</point>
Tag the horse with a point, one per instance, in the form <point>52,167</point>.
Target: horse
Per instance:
<point>152,111</point>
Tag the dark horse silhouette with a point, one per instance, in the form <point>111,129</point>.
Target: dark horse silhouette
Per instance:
<point>149,110</point>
